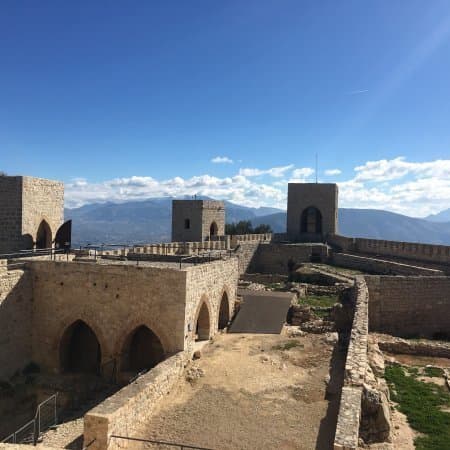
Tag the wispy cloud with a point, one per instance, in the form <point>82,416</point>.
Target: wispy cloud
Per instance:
<point>331,172</point>
<point>358,91</point>
<point>273,172</point>
<point>221,160</point>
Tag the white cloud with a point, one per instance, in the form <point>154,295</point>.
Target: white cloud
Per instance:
<point>273,172</point>
<point>222,160</point>
<point>331,172</point>
<point>399,185</point>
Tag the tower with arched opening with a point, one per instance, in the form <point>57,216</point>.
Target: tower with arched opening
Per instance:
<point>197,220</point>
<point>311,211</point>
<point>31,212</point>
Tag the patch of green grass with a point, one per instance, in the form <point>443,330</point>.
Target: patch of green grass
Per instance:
<point>326,301</point>
<point>288,345</point>
<point>413,371</point>
<point>433,372</point>
<point>422,403</point>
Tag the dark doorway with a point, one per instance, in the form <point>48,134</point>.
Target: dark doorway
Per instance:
<point>213,230</point>
<point>202,327</point>
<point>224,312</point>
<point>142,350</point>
<point>63,236</point>
<point>44,235</point>
<point>80,350</point>
<point>311,220</point>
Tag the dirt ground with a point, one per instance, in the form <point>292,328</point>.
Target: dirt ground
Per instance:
<point>254,394</point>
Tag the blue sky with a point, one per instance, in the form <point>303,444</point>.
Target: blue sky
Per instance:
<point>128,100</point>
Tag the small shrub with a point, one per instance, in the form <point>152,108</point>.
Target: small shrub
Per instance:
<point>433,372</point>
<point>288,345</point>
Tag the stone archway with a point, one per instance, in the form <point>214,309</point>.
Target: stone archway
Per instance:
<point>142,350</point>
<point>311,220</point>
<point>224,312</point>
<point>79,349</point>
<point>203,323</point>
<point>213,229</point>
<point>44,235</point>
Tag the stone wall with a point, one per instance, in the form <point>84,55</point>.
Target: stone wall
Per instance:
<point>24,203</point>
<point>10,214</point>
<point>191,219</point>
<point>15,320</point>
<point>323,196</point>
<point>409,306</point>
<point>126,412</point>
<point>347,429</point>
<point>112,299</point>
<point>274,257</point>
<point>380,266</point>
<point>439,254</point>
<point>208,283</point>
<point>42,200</point>
<point>115,299</point>
<point>246,254</point>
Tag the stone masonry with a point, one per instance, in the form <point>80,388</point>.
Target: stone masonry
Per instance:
<point>25,202</point>
<point>197,220</point>
<point>321,196</point>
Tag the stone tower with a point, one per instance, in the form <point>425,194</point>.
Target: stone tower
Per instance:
<point>31,211</point>
<point>197,220</point>
<point>312,211</point>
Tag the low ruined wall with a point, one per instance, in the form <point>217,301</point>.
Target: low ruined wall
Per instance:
<point>347,429</point>
<point>127,412</point>
<point>15,320</point>
<point>409,306</point>
<point>380,266</point>
<point>274,257</point>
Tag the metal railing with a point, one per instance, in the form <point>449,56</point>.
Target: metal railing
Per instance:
<point>45,418</point>
<point>51,252</point>
<point>161,443</point>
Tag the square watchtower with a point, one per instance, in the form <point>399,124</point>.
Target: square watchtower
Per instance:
<point>31,211</point>
<point>312,211</point>
<point>197,220</point>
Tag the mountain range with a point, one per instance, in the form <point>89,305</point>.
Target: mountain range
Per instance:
<point>150,221</point>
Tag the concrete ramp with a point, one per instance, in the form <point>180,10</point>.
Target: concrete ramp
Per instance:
<point>261,312</point>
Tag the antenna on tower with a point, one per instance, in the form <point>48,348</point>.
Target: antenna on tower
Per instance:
<point>317,165</point>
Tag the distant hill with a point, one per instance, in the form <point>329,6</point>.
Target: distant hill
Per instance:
<point>150,221</point>
<point>138,221</point>
<point>443,216</point>
<point>377,224</point>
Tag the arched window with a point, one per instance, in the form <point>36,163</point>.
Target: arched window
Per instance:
<point>213,229</point>
<point>202,326</point>
<point>44,235</point>
<point>79,349</point>
<point>311,220</point>
<point>142,350</point>
<point>224,312</point>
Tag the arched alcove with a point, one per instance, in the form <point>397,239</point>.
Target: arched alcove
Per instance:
<point>202,326</point>
<point>80,349</point>
<point>142,350</point>
<point>213,229</point>
<point>44,235</point>
<point>311,220</point>
<point>224,312</point>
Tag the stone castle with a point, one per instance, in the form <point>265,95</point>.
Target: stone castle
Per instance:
<point>115,313</point>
